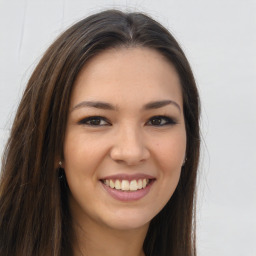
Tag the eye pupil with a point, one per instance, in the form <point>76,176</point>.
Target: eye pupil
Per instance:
<point>95,121</point>
<point>156,121</point>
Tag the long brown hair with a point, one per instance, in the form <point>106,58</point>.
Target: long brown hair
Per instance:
<point>34,212</point>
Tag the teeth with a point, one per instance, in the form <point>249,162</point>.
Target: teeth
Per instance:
<point>144,183</point>
<point>111,184</point>
<point>133,185</point>
<point>139,184</point>
<point>125,185</point>
<point>117,184</point>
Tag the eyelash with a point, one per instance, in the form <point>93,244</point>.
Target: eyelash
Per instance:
<point>167,120</point>
<point>161,121</point>
<point>89,121</point>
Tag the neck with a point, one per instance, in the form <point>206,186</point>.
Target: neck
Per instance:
<point>95,240</point>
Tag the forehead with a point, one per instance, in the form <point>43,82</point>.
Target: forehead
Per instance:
<point>127,74</point>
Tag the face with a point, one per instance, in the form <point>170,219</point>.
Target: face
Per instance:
<point>125,138</point>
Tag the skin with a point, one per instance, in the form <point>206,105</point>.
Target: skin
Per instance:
<point>128,139</point>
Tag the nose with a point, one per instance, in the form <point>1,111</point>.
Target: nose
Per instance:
<point>129,146</point>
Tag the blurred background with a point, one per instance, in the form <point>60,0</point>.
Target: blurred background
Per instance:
<point>219,39</point>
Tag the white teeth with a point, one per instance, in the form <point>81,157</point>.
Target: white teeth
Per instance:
<point>139,184</point>
<point>144,183</point>
<point>126,185</point>
<point>133,185</point>
<point>117,184</point>
<point>111,184</point>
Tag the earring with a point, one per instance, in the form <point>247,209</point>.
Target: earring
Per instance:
<point>185,160</point>
<point>61,173</point>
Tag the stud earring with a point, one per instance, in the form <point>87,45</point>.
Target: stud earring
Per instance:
<point>185,160</point>
<point>61,173</point>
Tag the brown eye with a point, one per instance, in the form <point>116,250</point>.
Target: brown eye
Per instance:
<point>156,121</point>
<point>161,121</point>
<point>94,121</point>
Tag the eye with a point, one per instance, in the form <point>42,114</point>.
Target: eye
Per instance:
<point>94,121</point>
<point>161,121</point>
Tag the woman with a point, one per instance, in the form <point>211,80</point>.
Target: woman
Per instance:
<point>103,153</point>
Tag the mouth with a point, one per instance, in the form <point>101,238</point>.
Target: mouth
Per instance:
<point>127,185</point>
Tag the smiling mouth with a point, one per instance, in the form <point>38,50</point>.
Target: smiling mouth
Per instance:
<point>126,185</point>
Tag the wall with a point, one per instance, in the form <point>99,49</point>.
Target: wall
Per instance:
<point>219,39</point>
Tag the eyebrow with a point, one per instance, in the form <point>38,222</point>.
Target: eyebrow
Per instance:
<point>94,104</point>
<point>108,106</point>
<point>160,104</point>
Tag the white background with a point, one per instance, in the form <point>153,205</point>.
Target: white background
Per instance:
<point>219,38</point>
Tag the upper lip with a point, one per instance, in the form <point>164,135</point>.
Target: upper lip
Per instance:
<point>129,177</point>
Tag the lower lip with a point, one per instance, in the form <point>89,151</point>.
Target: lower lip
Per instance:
<point>128,195</point>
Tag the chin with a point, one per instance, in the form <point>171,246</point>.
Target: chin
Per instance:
<point>128,225</point>
<point>129,221</point>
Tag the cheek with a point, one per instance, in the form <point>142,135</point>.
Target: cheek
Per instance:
<point>171,159</point>
<point>83,156</point>
<point>171,152</point>
<point>77,150</point>
<point>79,164</point>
